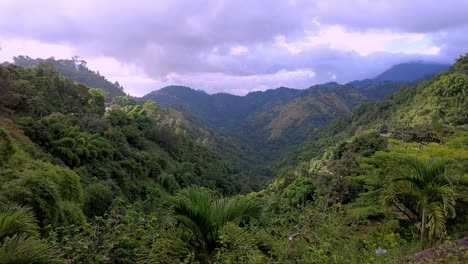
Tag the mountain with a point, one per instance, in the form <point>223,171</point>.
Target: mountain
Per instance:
<point>393,79</point>
<point>222,109</point>
<point>404,72</point>
<point>420,112</point>
<point>237,152</point>
<point>76,70</point>
<point>129,181</point>
<point>379,90</point>
<point>274,120</point>
<point>412,71</point>
<point>291,122</point>
<point>270,121</point>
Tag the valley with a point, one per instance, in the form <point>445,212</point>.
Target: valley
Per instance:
<point>327,174</point>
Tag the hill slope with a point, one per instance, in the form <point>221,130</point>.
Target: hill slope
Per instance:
<point>269,121</point>
<point>423,108</point>
<point>391,80</point>
<point>77,71</point>
<point>411,71</point>
<point>222,109</point>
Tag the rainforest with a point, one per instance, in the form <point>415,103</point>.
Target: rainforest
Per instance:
<point>100,179</point>
<point>225,132</point>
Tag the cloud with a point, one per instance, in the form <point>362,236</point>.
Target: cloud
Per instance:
<point>416,16</point>
<point>232,45</point>
<point>336,37</point>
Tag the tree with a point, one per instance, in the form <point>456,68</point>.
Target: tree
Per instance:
<point>7,148</point>
<point>18,227</point>
<point>203,216</point>
<point>426,195</point>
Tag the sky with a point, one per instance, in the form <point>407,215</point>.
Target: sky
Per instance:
<point>235,46</point>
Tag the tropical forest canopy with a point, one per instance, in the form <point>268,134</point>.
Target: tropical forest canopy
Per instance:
<point>367,172</point>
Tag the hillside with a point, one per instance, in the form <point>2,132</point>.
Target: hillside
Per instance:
<point>274,120</point>
<point>220,110</point>
<point>128,151</point>
<point>425,108</point>
<point>411,71</point>
<point>76,70</point>
<point>391,80</point>
<point>277,129</point>
<point>239,153</point>
<point>138,182</point>
<point>269,121</point>
<point>378,175</point>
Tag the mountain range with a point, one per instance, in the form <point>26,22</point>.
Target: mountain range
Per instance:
<point>275,120</point>
<point>331,164</point>
<point>262,126</point>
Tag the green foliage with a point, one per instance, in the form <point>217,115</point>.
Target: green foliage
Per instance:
<point>7,148</point>
<point>35,190</point>
<point>74,69</point>
<point>364,145</point>
<point>239,245</point>
<point>98,198</point>
<point>120,236</point>
<point>203,216</point>
<point>96,103</point>
<point>17,243</point>
<point>426,193</point>
<point>44,187</point>
<point>130,167</point>
<point>299,191</point>
<point>16,219</point>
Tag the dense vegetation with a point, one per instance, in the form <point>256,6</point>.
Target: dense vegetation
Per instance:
<point>132,182</point>
<point>77,70</point>
<point>276,120</point>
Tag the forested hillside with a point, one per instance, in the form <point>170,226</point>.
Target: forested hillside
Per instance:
<point>81,157</point>
<point>130,181</point>
<point>221,110</point>
<point>276,120</point>
<point>77,70</point>
<point>271,121</point>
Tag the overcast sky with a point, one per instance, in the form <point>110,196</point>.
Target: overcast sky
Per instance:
<point>235,46</point>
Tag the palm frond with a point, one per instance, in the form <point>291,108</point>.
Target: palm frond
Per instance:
<point>197,210</point>
<point>17,219</point>
<point>192,208</point>
<point>446,195</point>
<point>20,249</point>
<point>427,191</point>
<point>238,207</point>
<point>436,220</point>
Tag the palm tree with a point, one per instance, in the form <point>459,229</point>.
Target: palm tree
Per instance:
<point>203,216</point>
<point>18,227</point>
<point>425,194</point>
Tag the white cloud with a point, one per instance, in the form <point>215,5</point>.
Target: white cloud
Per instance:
<point>234,45</point>
<point>238,50</point>
<point>364,43</point>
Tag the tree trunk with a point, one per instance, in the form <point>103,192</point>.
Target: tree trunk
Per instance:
<point>423,222</point>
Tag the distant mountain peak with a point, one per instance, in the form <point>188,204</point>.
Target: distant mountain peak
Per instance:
<point>392,79</point>
<point>412,71</point>
<point>179,88</point>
